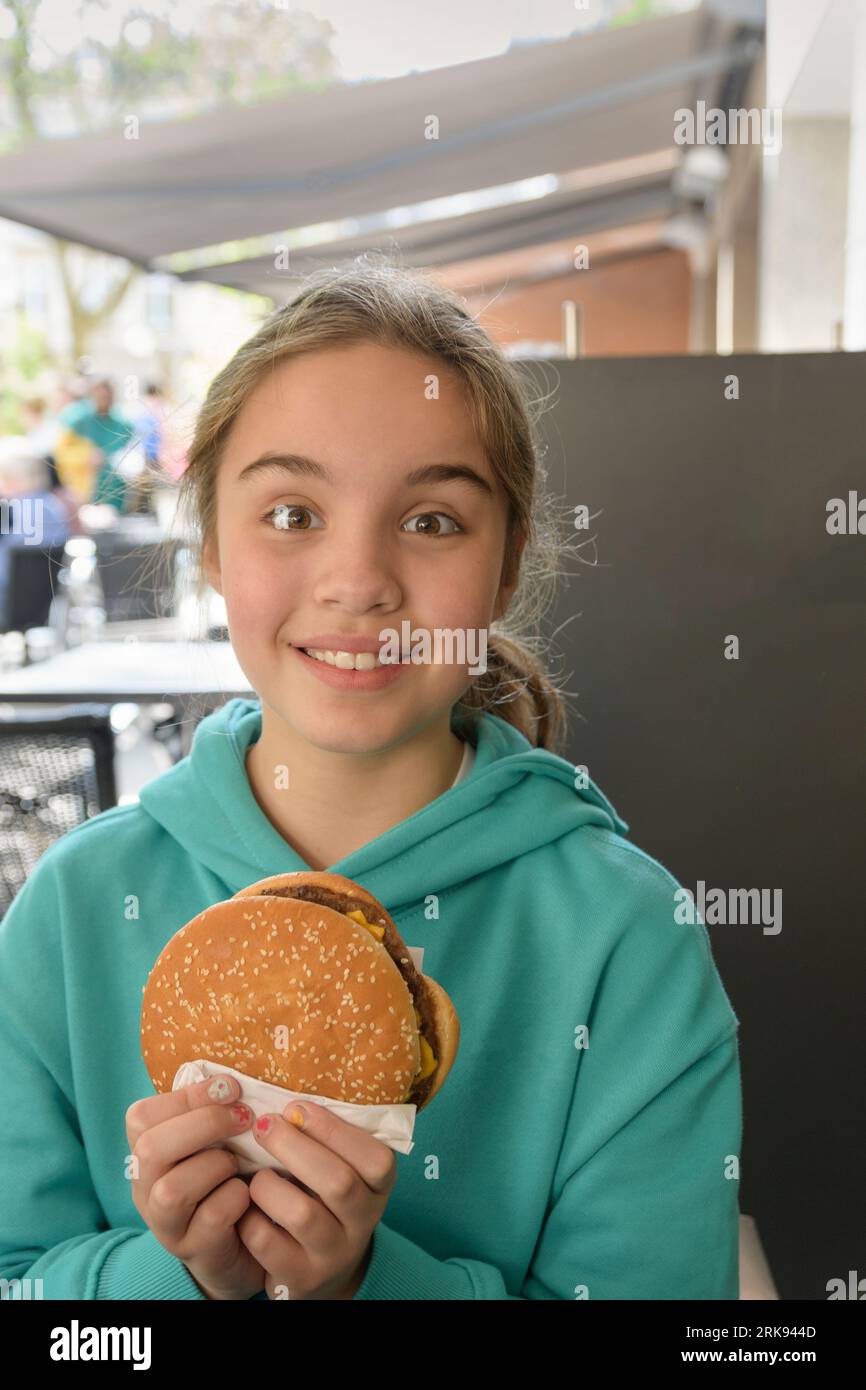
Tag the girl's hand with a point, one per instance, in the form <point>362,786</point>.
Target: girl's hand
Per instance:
<point>313,1237</point>
<point>192,1203</point>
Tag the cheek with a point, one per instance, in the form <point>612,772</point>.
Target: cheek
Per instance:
<point>252,588</point>
<point>458,612</point>
<point>463,597</point>
<point>461,604</point>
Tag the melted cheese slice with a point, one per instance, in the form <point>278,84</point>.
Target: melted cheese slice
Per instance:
<point>358,916</point>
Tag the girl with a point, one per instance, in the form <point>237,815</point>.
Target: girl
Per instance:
<point>367,460</point>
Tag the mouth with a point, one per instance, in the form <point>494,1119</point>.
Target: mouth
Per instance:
<point>341,671</point>
<point>344,661</point>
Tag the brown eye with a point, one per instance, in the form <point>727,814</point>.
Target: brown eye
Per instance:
<point>435,529</point>
<point>283,517</point>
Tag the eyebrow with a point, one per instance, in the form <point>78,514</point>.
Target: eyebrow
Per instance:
<point>301,466</point>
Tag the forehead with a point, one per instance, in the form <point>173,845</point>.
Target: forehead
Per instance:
<point>363,402</point>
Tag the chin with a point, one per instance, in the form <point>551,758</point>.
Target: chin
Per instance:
<point>346,731</point>
<point>371,732</point>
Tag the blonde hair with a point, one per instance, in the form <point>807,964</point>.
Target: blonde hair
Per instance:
<point>375,299</point>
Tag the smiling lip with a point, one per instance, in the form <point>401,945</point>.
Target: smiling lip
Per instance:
<point>338,679</point>
<point>332,642</point>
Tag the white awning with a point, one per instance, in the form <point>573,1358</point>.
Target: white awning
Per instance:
<point>356,150</point>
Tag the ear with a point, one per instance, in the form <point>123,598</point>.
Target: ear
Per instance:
<point>211,566</point>
<point>507,588</point>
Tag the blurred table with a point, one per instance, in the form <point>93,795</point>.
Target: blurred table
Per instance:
<point>102,520</point>
<point>167,630</point>
<point>192,676</point>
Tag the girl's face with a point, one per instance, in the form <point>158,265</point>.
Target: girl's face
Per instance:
<point>344,543</point>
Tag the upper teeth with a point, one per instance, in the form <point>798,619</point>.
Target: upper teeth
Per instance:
<point>347,661</point>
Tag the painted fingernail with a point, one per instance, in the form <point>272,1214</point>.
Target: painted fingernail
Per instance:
<point>298,1117</point>
<point>241,1114</point>
<point>221,1088</point>
<point>263,1124</point>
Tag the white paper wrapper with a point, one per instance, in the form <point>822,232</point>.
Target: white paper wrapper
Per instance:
<point>390,1124</point>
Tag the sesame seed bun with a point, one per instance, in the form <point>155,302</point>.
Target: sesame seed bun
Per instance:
<point>278,983</point>
<point>439,1022</point>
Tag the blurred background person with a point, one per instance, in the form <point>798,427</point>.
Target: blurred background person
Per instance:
<point>76,459</point>
<point>94,421</point>
<point>44,431</point>
<point>150,423</point>
<point>40,427</point>
<point>157,424</point>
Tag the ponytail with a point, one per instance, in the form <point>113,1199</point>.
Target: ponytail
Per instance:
<point>516,688</point>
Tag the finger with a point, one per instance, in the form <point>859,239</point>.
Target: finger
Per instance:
<point>173,1198</point>
<point>218,1214</point>
<point>338,1186</point>
<point>298,1224</point>
<point>163,1145</point>
<point>323,1174</point>
<point>282,1264</point>
<point>152,1110</point>
<point>374,1162</point>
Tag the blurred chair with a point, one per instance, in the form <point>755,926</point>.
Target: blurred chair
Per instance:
<point>167,732</point>
<point>56,771</point>
<point>138,580</point>
<point>33,571</point>
<point>175,730</point>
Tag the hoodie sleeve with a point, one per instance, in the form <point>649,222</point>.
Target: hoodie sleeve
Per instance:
<point>645,1198</point>
<point>52,1227</point>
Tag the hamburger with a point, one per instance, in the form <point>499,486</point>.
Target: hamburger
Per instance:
<point>301,980</point>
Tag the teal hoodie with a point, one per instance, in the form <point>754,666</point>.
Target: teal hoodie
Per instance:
<point>586,1142</point>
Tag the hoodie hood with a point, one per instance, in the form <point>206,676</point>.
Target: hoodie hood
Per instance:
<point>515,799</point>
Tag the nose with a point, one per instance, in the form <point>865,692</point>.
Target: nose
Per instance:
<point>357,574</point>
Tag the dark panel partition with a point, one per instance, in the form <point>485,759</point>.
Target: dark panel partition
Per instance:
<point>750,773</point>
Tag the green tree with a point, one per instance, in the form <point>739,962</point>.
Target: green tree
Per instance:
<point>637,12</point>
<point>241,51</point>
<point>22,365</point>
